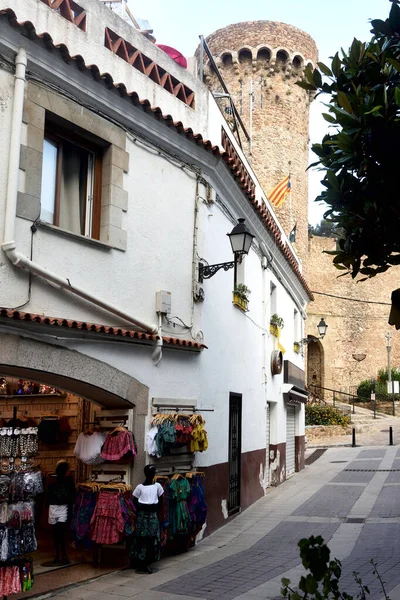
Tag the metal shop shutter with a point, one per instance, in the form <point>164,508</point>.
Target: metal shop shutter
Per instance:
<point>290,439</point>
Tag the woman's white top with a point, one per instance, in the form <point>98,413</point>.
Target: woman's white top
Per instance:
<point>148,494</point>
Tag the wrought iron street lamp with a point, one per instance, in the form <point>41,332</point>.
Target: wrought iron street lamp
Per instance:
<point>240,239</point>
<point>322,327</point>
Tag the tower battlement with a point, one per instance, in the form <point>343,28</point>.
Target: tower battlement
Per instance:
<point>260,62</point>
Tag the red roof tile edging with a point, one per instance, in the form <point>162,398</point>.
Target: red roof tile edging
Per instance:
<point>34,318</point>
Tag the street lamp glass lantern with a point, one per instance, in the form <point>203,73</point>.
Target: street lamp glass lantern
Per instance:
<point>322,327</point>
<point>240,238</point>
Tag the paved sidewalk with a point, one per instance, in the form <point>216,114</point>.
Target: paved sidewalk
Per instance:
<point>375,434</point>
<point>349,496</point>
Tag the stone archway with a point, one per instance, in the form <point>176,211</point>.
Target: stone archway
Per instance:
<point>79,374</point>
<point>315,364</point>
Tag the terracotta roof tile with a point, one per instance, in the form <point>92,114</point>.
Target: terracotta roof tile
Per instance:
<point>263,212</point>
<point>26,317</point>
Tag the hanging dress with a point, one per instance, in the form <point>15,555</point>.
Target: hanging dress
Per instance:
<point>197,505</point>
<point>179,517</point>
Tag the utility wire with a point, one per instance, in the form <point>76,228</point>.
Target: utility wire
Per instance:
<point>351,299</point>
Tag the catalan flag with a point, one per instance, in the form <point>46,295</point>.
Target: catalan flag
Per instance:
<point>280,191</point>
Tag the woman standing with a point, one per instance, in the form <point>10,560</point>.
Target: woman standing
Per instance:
<point>146,539</point>
<point>60,498</point>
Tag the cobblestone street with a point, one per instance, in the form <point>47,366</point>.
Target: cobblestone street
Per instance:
<point>349,496</point>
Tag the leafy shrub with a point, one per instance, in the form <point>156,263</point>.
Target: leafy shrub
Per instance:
<point>325,415</point>
<point>383,375</point>
<point>364,387</point>
<point>323,580</point>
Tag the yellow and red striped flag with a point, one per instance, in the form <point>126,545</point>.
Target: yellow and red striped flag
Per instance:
<point>280,191</point>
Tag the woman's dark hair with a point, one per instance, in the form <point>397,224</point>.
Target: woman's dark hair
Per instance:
<point>149,470</point>
<point>62,468</point>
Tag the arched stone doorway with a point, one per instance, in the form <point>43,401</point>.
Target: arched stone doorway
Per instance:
<point>79,374</point>
<point>315,364</point>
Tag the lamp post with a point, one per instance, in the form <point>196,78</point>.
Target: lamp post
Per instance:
<point>240,239</point>
<point>390,382</point>
<point>322,327</point>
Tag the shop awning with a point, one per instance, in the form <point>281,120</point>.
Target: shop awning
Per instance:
<point>293,394</point>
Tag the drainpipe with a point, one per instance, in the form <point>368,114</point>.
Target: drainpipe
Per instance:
<point>9,245</point>
<point>158,350</point>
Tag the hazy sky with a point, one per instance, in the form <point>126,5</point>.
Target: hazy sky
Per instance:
<point>332,24</point>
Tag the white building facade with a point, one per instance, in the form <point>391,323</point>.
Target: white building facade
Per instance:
<point>119,176</point>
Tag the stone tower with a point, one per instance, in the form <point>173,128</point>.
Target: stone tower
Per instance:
<point>260,62</point>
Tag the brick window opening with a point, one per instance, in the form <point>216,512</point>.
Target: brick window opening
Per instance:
<point>70,10</point>
<point>71,182</point>
<point>148,67</point>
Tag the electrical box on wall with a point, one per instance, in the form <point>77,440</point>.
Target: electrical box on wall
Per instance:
<point>163,302</point>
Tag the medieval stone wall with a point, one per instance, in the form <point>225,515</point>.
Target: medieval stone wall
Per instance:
<point>354,328</point>
<point>260,62</point>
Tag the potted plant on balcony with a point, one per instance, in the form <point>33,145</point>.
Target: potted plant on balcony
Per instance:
<point>241,295</point>
<point>276,323</point>
<point>297,347</point>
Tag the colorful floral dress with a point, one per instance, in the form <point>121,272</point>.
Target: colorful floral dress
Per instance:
<point>179,517</point>
<point>107,523</point>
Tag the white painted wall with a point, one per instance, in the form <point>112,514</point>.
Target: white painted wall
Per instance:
<point>159,221</point>
<point>234,361</point>
<point>159,255</point>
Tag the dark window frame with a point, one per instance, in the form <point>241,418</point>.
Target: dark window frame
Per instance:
<point>58,135</point>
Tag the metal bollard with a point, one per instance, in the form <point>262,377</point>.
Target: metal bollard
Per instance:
<point>390,436</point>
<point>353,443</point>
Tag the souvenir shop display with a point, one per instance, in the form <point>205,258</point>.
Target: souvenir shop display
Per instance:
<point>48,390</point>
<point>103,513</point>
<point>25,388</point>
<point>16,577</point>
<point>175,430</point>
<point>119,445</point>
<point>19,484</point>
<point>3,386</point>
<point>179,516</point>
<point>18,441</point>
<point>183,509</point>
<point>88,446</point>
<point>196,501</point>
<point>54,429</point>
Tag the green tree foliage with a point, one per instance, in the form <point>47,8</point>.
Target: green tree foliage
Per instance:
<point>322,581</point>
<point>317,414</point>
<point>365,387</point>
<point>325,229</point>
<point>361,156</point>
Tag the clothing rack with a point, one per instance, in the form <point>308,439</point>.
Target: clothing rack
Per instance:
<point>172,470</point>
<point>161,405</point>
<point>123,418</point>
<point>116,479</point>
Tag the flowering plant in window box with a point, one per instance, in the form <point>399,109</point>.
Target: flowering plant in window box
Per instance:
<point>276,324</point>
<point>241,295</point>
<point>296,347</point>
